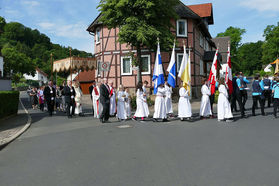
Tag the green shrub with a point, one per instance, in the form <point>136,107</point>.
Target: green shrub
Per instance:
<point>8,103</point>
<point>33,83</point>
<point>150,102</point>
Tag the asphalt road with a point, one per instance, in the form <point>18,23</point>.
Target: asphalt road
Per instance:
<point>81,151</point>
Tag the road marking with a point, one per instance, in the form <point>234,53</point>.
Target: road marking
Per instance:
<point>124,126</point>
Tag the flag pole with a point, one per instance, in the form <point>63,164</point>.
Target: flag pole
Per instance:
<point>190,73</point>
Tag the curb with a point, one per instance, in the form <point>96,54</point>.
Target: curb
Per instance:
<point>21,131</point>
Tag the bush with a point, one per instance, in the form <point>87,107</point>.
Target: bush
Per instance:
<point>8,103</point>
<point>134,102</point>
<point>33,83</point>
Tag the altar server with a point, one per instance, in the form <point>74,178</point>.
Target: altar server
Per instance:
<point>168,100</point>
<point>95,99</point>
<point>184,106</point>
<point>121,111</point>
<point>127,102</point>
<point>205,110</point>
<point>141,100</point>
<point>160,105</point>
<point>112,95</point>
<point>145,95</point>
<point>223,107</point>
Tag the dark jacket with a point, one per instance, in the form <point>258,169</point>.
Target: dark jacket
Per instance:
<point>48,94</point>
<point>104,94</point>
<point>235,87</point>
<point>91,90</point>
<point>68,94</point>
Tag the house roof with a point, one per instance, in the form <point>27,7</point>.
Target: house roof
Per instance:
<point>181,9</point>
<point>204,11</point>
<point>222,42</point>
<point>42,72</point>
<point>86,76</point>
<point>209,56</point>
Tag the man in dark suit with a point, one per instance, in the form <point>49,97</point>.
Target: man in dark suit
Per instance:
<point>105,101</point>
<point>49,93</point>
<point>90,92</point>
<point>70,94</point>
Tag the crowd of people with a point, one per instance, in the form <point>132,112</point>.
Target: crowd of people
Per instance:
<point>110,102</point>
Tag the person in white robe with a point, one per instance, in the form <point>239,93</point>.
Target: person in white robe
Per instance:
<point>160,105</point>
<point>121,110</point>
<point>95,100</point>
<point>78,98</point>
<point>184,105</point>
<point>145,94</point>
<point>223,106</point>
<point>112,93</point>
<point>168,100</point>
<point>127,102</point>
<point>205,109</point>
<point>141,100</point>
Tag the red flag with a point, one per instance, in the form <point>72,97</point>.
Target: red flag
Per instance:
<point>212,75</point>
<point>228,77</point>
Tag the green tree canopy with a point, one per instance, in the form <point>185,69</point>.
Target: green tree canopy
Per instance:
<point>271,44</point>
<point>236,37</point>
<point>141,22</point>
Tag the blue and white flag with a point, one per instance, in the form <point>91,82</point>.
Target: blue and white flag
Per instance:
<point>172,69</point>
<point>158,74</point>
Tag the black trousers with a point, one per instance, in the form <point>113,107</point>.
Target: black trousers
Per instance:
<point>267,96</point>
<point>68,108</point>
<point>257,99</point>
<point>244,97</point>
<point>275,105</point>
<point>238,98</point>
<point>50,107</point>
<point>42,106</point>
<point>105,112</point>
<point>233,102</point>
<point>211,99</point>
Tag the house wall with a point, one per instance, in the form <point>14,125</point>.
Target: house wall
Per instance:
<point>37,77</point>
<point>109,50</point>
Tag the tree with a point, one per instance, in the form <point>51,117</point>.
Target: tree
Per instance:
<point>2,24</point>
<point>236,37</point>
<point>271,44</point>
<point>17,62</point>
<point>141,22</point>
<point>249,56</point>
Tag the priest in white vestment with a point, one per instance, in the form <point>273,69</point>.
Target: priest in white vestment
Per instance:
<point>205,110</point>
<point>223,107</point>
<point>95,100</point>
<point>78,98</point>
<point>168,100</point>
<point>121,109</point>
<point>160,105</point>
<point>112,109</point>
<point>184,106</point>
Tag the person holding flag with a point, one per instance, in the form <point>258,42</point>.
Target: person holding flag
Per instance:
<point>159,90</point>
<point>212,79</point>
<point>184,106</point>
<point>228,77</point>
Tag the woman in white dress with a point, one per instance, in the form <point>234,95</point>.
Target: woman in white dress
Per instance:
<point>205,110</point>
<point>121,109</point>
<point>160,105</point>
<point>145,94</point>
<point>127,103</point>
<point>95,100</point>
<point>168,100</point>
<point>141,100</point>
<point>184,106</point>
<point>112,109</point>
<point>78,98</point>
<point>223,105</point>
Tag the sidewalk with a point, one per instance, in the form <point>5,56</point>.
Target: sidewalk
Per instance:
<point>14,126</point>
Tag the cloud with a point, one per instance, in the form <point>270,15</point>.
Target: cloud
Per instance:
<point>46,25</point>
<point>261,5</point>
<point>30,3</point>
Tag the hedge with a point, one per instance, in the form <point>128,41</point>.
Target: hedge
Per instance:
<point>8,103</point>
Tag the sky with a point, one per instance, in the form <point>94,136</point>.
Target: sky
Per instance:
<point>65,21</point>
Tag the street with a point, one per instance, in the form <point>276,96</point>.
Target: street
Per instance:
<point>81,151</point>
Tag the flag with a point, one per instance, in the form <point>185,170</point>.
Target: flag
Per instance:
<point>158,74</point>
<point>212,74</point>
<point>185,71</point>
<point>228,77</point>
<point>277,67</point>
<point>172,69</point>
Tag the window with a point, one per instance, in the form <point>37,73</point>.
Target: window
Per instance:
<point>179,60</point>
<point>126,66</point>
<point>201,40</point>
<point>201,67</point>
<point>206,48</point>
<point>97,36</point>
<point>145,64</point>
<point>181,27</point>
<point>99,68</point>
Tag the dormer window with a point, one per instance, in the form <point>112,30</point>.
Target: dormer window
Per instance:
<point>181,28</point>
<point>97,35</point>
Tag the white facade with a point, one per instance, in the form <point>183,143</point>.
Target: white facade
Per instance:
<point>37,77</point>
<point>1,66</point>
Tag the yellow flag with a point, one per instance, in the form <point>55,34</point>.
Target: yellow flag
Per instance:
<point>277,66</point>
<point>186,71</point>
